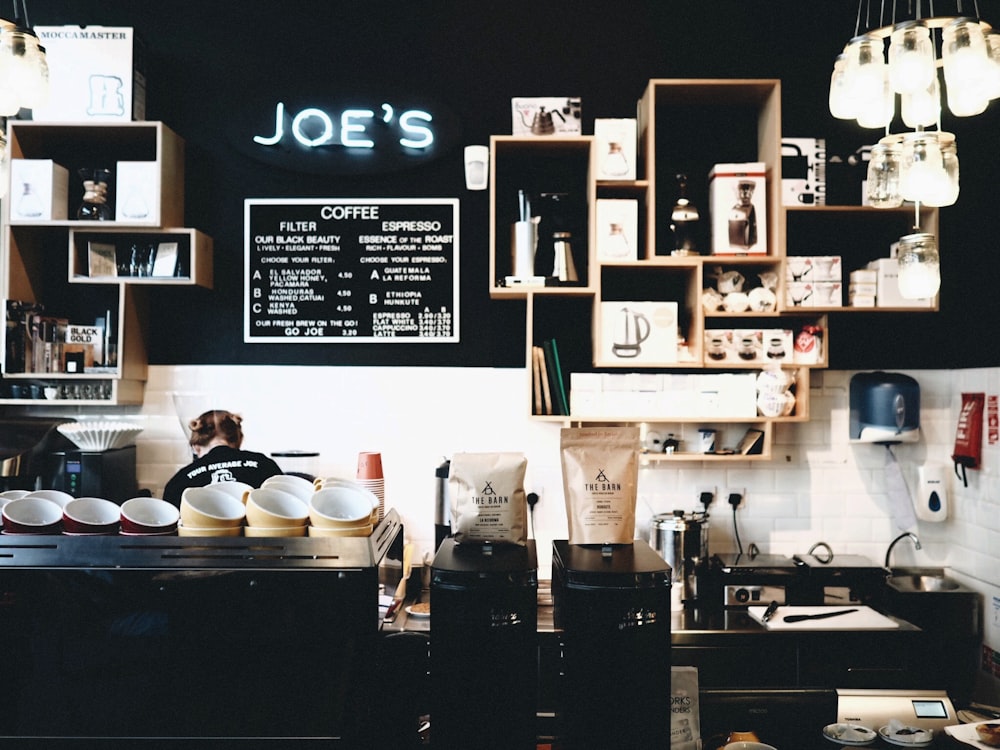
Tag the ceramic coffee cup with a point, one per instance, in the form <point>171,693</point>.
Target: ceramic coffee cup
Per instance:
<point>148,515</point>
<point>32,515</point>
<point>91,515</point>
<point>271,507</point>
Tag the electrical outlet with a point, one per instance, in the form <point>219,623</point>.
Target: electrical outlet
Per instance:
<point>706,495</point>
<point>736,496</point>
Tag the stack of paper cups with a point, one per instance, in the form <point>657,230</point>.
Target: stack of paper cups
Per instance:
<point>370,477</point>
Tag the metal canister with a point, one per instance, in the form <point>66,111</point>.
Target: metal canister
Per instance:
<point>681,539</point>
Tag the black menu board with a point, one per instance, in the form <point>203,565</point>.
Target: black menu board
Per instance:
<point>351,270</point>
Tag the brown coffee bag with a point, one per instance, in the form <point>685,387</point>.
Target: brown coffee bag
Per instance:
<point>488,502</point>
<point>600,480</point>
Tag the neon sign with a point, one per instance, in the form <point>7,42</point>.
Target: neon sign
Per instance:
<point>345,134</point>
<point>313,127</point>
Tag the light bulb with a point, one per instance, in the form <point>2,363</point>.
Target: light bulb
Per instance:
<point>911,58</point>
<point>919,266</point>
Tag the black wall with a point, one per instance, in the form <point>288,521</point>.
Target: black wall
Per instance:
<point>207,57</point>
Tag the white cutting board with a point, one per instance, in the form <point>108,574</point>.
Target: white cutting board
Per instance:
<point>865,618</point>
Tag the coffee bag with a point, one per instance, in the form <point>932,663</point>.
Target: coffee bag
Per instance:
<point>488,502</point>
<point>600,479</point>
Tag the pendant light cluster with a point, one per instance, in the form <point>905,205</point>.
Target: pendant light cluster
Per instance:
<point>898,58</point>
<point>24,75</point>
<point>24,72</point>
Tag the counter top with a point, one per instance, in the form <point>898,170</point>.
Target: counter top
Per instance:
<point>689,626</point>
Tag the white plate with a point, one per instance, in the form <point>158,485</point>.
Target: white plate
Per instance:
<point>901,741</point>
<point>410,611</point>
<point>867,735</point>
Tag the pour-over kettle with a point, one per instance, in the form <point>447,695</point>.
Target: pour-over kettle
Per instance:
<point>542,123</point>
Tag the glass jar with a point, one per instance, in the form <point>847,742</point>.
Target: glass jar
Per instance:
<point>966,67</point>
<point>882,187</point>
<point>911,58</point>
<point>919,265</point>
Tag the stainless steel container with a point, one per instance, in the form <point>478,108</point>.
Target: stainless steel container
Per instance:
<point>682,540</point>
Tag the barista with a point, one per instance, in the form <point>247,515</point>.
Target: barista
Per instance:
<point>216,441</point>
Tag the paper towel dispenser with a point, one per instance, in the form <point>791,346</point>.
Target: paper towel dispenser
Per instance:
<point>884,408</point>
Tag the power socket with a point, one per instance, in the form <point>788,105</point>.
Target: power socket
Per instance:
<point>736,496</point>
<point>706,495</point>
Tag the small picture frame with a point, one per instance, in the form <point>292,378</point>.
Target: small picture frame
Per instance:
<point>101,260</point>
<point>752,443</point>
<point>165,263</point>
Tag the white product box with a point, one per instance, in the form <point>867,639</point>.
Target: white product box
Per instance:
<point>585,395</point>
<point>737,203</point>
<point>95,73</point>
<point>862,300</point>
<point>137,192</point>
<point>799,294</point>
<point>888,294</point>
<point>639,332</point>
<point>864,288</point>
<point>803,171</point>
<point>814,268</point>
<point>828,294</point>
<point>617,148</point>
<point>864,276</point>
<point>617,229</point>
<point>778,345</point>
<point>531,115</point>
<point>39,190</point>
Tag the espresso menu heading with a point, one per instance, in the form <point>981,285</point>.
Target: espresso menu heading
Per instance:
<point>351,270</point>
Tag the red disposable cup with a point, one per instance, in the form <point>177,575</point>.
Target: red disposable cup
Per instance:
<point>369,465</point>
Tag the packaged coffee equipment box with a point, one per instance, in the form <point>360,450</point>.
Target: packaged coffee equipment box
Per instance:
<point>488,503</point>
<point>600,478</point>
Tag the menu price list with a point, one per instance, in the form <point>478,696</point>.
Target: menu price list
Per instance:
<point>351,270</point>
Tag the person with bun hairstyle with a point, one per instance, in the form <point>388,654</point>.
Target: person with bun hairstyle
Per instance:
<point>217,444</point>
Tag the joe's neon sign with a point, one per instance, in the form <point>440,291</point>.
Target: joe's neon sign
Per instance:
<point>313,127</point>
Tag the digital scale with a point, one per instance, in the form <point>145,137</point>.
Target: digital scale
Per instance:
<point>926,709</point>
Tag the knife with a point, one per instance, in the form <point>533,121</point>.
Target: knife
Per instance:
<point>821,616</point>
<point>769,612</point>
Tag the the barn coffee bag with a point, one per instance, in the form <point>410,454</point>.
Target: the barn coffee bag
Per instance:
<point>600,476</point>
<point>488,503</point>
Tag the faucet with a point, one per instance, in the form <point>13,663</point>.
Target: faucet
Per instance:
<point>888,552</point>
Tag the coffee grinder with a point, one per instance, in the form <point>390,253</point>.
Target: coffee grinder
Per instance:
<point>612,604</point>
<point>484,649</point>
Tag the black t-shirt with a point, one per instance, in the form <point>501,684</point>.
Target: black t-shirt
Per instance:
<point>221,464</point>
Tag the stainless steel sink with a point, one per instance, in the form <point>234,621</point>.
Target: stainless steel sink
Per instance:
<point>922,583</point>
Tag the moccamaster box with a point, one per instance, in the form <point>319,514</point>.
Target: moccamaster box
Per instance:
<point>737,202</point>
<point>95,73</point>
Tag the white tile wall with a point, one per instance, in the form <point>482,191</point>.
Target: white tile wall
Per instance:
<point>818,487</point>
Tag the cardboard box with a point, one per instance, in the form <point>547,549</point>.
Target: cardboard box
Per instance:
<point>737,203</point>
<point>887,270</point>
<point>814,268</point>
<point>638,332</point>
<point>137,192</point>
<point>95,73</point>
<point>617,229</point>
<point>528,114</point>
<point>39,190</point>
<point>617,148</point>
